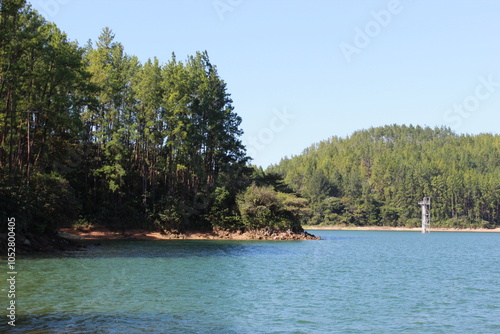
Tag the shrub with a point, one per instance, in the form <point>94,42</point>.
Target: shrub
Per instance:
<point>221,213</point>
<point>263,207</point>
<point>53,202</point>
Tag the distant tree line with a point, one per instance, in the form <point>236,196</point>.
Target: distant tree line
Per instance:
<point>377,177</point>
<point>89,135</point>
<point>92,136</point>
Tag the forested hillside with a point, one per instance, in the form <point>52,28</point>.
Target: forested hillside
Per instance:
<point>377,177</point>
<point>89,135</point>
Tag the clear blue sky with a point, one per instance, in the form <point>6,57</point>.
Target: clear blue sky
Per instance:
<point>302,71</point>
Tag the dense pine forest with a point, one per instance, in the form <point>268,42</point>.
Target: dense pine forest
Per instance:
<point>377,177</point>
<point>91,136</point>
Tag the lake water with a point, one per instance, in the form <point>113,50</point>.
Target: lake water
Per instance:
<point>354,281</point>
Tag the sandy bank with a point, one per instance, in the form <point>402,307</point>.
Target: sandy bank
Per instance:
<point>389,228</point>
<point>106,234</point>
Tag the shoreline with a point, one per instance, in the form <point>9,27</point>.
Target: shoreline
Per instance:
<point>390,228</point>
<point>98,233</point>
<point>139,234</point>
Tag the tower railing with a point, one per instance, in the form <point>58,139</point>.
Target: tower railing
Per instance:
<point>426,214</point>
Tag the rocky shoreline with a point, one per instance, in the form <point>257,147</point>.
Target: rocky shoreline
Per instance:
<point>50,242</point>
<point>106,234</point>
<point>72,239</point>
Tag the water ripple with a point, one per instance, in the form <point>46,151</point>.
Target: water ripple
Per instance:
<point>375,282</point>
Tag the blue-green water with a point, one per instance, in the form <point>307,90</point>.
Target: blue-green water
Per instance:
<point>355,281</point>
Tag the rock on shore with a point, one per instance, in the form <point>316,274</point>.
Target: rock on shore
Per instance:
<point>49,242</point>
<point>216,234</point>
<point>258,234</point>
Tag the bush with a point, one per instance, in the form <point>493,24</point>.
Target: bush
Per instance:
<point>221,213</point>
<point>53,202</point>
<point>170,217</point>
<point>465,223</point>
<point>389,215</point>
<point>263,207</point>
<point>412,222</point>
<point>48,203</point>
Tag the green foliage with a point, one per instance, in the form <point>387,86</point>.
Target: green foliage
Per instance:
<point>91,134</point>
<point>47,203</point>
<point>53,201</point>
<point>263,207</point>
<point>381,173</point>
<point>128,144</point>
<point>223,212</point>
<point>169,218</point>
<point>390,215</point>
<point>82,223</point>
